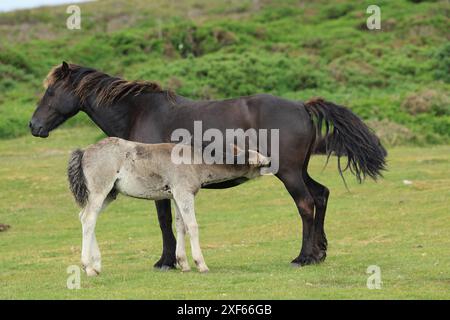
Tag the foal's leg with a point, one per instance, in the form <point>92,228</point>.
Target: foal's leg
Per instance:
<point>320,194</point>
<point>88,217</point>
<point>95,251</point>
<point>96,258</point>
<point>167,260</point>
<point>304,201</point>
<point>185,203</point>
<point>181,244</point>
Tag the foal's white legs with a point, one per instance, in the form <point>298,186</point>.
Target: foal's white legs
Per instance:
<point>90,253</point>
<point>96,257</point>
<point>185,204</point>
<point>181,244</point>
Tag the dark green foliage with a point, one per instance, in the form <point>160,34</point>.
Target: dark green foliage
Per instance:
<point>442,63</point>
<point>211,50</point>
<point>419,1</point>
<point>234,74</point>
<point>15,58</point>
<point>337,10</point>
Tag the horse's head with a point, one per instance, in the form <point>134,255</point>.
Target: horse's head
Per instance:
<point>58,104</point>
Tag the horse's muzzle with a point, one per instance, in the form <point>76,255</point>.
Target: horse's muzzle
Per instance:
<point>37,130</point>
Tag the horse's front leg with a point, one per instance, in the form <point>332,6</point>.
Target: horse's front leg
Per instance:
<point>185,203</point>
<point>167,260</point>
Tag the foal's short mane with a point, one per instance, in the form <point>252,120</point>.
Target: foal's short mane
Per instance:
<point>106,89</point>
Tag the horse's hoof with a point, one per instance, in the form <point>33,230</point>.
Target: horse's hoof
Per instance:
<point>304,260</point>
<point>321,256</point>
<point>158,264</point>
<point>164,266</point>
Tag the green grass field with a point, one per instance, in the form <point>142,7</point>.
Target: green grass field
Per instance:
<point>249,233</point>
<point>396,79</point>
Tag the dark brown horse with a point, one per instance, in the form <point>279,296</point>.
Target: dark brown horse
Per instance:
<point>143,112</point>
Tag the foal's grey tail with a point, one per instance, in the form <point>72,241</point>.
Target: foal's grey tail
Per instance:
<point>77,180</point>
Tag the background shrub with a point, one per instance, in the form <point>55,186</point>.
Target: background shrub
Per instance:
<point>397,78</point>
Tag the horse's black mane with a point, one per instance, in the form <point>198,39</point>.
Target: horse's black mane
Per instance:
<point>107,89</point>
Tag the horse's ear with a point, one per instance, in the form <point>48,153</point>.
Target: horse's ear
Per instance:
<point>65,68</point>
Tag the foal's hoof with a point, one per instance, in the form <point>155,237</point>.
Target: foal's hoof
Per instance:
<point>201,266</point>
<point>203,270</point>
<point>91,272</point>
<point>184,266</point>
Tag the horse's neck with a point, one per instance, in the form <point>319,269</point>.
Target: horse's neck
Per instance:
<point>130,116</point>
<point>113,120</point>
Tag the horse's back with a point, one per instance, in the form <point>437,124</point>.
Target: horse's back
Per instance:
<point>259,111</point>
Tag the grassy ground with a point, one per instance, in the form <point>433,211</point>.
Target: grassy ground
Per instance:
<point>248,233</point>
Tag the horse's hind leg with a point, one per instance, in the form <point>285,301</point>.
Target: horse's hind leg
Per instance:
<point>320,194</point>
<point>181,244</point>
<point>88,218</point>
<point>293,181</point>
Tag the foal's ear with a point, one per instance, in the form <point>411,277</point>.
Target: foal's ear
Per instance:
<point>65,68</point>
<point>235,150</point>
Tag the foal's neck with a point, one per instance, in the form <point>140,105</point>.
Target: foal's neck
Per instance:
<point>224,172</point>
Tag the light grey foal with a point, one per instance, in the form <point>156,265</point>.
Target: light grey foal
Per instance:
<point>145,171</point>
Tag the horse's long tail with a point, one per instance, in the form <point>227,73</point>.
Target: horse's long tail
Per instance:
<point>347,135</point>
<point>77,180</point>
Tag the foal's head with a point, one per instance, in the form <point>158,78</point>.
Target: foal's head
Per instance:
<point>251,157</point>
<point>58,104</point>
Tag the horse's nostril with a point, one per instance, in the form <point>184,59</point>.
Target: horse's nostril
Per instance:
<point>29,124</point>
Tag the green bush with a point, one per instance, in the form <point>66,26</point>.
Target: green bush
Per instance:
<point>442,63</point>
<point>232,75</point>
<point>398,76</point>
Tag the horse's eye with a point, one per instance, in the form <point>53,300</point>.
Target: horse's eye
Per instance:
<point>50,93</point>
